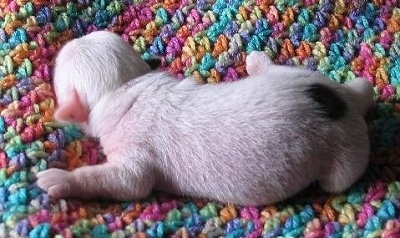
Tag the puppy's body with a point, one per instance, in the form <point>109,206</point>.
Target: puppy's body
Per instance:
<point>251,142</point>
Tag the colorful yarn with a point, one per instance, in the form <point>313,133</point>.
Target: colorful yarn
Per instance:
<point>209,40</point>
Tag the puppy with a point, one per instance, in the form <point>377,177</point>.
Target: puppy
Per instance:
<point>254,141</point>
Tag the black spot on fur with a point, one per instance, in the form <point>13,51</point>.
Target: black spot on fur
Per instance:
<point>330,104</point>
<point>154,63</point>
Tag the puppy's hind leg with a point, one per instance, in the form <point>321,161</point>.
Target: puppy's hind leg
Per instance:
<point>120,179</point>
<point>346,169</point>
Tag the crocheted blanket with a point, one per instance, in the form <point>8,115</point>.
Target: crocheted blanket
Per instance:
<point>207,39</point>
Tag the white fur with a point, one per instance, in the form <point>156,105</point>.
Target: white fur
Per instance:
<point>250,142</point>
<point>95,64</point>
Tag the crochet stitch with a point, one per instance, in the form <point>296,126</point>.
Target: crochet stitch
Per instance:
<point>209,40</point>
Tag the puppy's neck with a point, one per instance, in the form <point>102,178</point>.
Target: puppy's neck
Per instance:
<point>95,125</point>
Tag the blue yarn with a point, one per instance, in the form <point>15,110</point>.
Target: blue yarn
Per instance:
<point>139,225</point>
<point>62,23</point>
<point>173,223</point>
<point>219,6</point>
<point>19,36</point>
<point>283,4</point>
<point>157,230</point>
<point>274,233</point>
<point>194,223</point>
<point>262,29</point>
<point>368,34</point>
<point>249,227</point>
<point>379,50</point>
<point>100,231</point>
<point>19,197</point>
<point>33,192</point>
<point>378,25</point>
<point>157,47</point>
<point>231,29</point>
<point>295,33</point>
<point>78,28</point>
<point>3,194</point>
<point>254,44</point>
<point>23,228</point>
<point>14,149</point>
<point>294,225</point>
<point>101,4</point>
<point>348,52</point>
<point>71,132</point>
<point>190,208</point>
<point>340,63</point>
<point>304,16</point>
<point>356,195</point>
<point>162,16</point>
<point>40,231</point>
<point>207,63</point>
<point>386,211</point>
<point>218,28</point>
<point>361,24</point>
<point>101,19</point>
<point>2,125</point>
<point>373,223</point>
<point>310,63</point>
<point>177,19</point>
<point>72,11</point>
<point>326,6</point>
<point>13,212</point>
<point>320,19</point>
<point>370,12</point>
<point>233,225</point>
<point>394,73</point>
<point>43,15</point>
<point>58,138</point>
<point>235,233</point>
<point>310,33</point>
<point>25,84</point>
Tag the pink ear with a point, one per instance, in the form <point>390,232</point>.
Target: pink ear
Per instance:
<point>257,62</point>
<point>73,111</point>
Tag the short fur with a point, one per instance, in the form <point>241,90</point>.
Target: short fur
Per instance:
<point>251,142</point>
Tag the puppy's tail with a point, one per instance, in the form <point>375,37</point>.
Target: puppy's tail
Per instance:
<point>363,94</point>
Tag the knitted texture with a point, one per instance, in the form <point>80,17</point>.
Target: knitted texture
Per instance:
<point>209,40</point>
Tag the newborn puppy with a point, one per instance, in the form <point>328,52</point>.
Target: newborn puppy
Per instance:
<point>250,142</point>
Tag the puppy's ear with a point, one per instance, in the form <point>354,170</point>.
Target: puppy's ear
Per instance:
<point>72,111</point>
<point>154,63</point>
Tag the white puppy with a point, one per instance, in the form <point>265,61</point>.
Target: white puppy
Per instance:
<point>251,142</point>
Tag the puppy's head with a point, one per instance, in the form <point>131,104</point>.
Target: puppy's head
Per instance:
<point>88,68</point>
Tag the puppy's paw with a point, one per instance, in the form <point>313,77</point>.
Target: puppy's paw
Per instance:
<point>257,61</point>
<point>56,182</point>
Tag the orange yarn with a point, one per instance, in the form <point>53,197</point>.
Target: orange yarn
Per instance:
<point>228,213</point>
<point>215,76</point>
<point>20,53</point>
<point>304,50</point>
<point>131,215</point>
<point>221,45</point>
<point>288,17</point>
<point>393,25</point>
<point>10,27</point>
<point>8,82</point>
<point>288,49</point>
